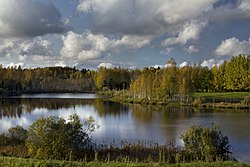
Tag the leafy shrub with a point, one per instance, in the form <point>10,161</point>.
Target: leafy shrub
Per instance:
<point>56,138</point>
<point>18,133</point>
<point>13,142</point>
<point>207,144</point>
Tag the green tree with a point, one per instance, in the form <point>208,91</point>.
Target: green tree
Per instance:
<point>207,144</point>
<point>237,75</point>
<point>185,83</point>
<point>18,132</point>
<point>218,77</point>
<point>56,138</point>
<point>170,82</point>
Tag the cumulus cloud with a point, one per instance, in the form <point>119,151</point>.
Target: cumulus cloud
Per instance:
<point>183,64</point>
<point>233,46</point>
<point>6,47</point>
<point>208,63</point>
<point>191,31</point>
<point>37,51</point>
<point>85,6</point>
<point>211,62</point>
<point>227,11</point>
<point>28,18</point>
<point>60,64</point>
<point>89,46</point>
<point>84,46</point>
<point>106,65</point>
<point>36,47</point>
<point>158,66</point>
<point>245,5</point>
<point>141,16</point>
<point>15,65</point>
<point>192,49</point>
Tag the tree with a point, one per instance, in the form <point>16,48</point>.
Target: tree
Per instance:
<point>207,144</point>
<point>170,82</point>
<point>237,75</point>
<point>185,83</point>
<point>56,138</point>
<point>18,132</point>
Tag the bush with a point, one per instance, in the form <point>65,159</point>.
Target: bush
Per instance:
<point>206,144</point>
<point>56,138</point>
<point>18,133</point>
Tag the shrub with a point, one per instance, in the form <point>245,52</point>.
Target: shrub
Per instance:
<point>56,138</point>
<point>18,133</point>
<point>207,144</point>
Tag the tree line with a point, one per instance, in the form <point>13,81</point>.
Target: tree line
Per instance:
<point>174,82</point>
<point>148,83</point>
<point>50,79</point>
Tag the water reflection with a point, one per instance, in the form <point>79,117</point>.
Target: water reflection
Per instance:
<point>130,122</point>
<point>14,108</point>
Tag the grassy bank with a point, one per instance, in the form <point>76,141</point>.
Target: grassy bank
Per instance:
<point>238,100</point>
<point>230,97</point>
<point>21,162</point>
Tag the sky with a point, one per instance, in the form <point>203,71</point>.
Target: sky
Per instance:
<point>126,33</point>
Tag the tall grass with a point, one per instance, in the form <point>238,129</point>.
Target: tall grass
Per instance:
<point>21,162</point>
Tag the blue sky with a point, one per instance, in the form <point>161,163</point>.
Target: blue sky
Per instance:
<point>127,33</point>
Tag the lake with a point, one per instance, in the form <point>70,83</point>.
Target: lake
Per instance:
<point>130,122</point>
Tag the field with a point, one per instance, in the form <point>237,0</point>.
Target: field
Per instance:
<point>21,162</point>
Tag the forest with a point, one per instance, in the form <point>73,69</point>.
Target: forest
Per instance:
<point>50,79</point>
<point>147,83</point>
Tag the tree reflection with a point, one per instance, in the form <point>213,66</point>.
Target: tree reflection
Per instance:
<point>105,108</point>
<point>14,108</point>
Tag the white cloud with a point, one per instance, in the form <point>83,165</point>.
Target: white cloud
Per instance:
<point>211,62</point>
<point>60,64</point>
<point>6,47</point>
<point>106,65</point>
<point>191,31</point>
<point>245,6</point>
<point>85,6</point>
<point>89,46</point>
<point>233,47</point>
<point>22,57</point>
<point>183,64</point>
<point>166,51</point>
<point>141,16</point>
<point>41,59</point>
<point>15,65</point>
<point>158,66</point>
<point>131,41</point>
<point>208,63</point>
<point>36,47</point>
<point>28,18</point>
<point>84,46</point>
<point>192,49</point>
<point>229,11</point>
<point>35,52</point>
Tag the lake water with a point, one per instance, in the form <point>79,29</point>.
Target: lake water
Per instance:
<point>131,122</point>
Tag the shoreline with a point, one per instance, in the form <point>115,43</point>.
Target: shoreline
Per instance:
<point>204,102</point>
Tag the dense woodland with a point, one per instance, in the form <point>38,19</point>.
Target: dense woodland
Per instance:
<point>148,83</point>
<point>51,79</point>
<point>233,75</point>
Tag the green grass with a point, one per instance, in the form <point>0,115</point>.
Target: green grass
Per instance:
<point>226,97</point>
<point>21,162</point>
<point>241,95</point>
